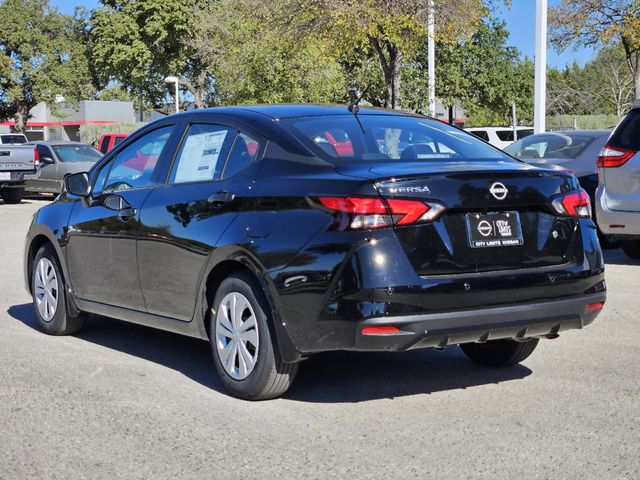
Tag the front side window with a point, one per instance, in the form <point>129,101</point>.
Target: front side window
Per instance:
<point>134,166</point>
<point>104,145</point>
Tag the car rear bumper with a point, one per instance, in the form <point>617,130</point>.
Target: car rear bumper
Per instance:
<point>519,322</point>
<point>615,222</point>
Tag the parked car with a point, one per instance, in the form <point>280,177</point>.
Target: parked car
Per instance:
<point>16,161</point>
<point>57,159</point>
<point>500,137</point>
<point>110,141</point>
<point>574,150</point>
<point>618,195</point>
<point>12,139</point>
<point>302,247</point>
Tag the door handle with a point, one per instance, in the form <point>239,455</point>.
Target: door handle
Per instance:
<point>220,198</point>
<point>125,214</point>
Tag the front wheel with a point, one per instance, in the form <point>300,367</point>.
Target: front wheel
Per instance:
<point>12,196</point>
<point>244,351</point>
<point>49,300</point>
<point>499,353</point>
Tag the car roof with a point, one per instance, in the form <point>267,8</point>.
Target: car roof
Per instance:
<point>519,127</point>
<point>281,111</point>
<point>592,133</point>
<point>55,142</point>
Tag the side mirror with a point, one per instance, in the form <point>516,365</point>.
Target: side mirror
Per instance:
<point>78,184</point>
<point>47,160</point>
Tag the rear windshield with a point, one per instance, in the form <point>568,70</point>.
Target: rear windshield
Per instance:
<point>350,139</point>
<point>549,146</point>
<point>77,153</point>
<point>627,134</point>
<point>13,139</point>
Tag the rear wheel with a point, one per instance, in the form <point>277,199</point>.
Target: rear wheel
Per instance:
<point>499,353</point>
<point>631,248</point>
<point>244,350</point>
<point>49,298</point>
<point>12,195</point>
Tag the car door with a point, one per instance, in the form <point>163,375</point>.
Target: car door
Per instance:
<point>182,221</point>
<point>101,248</point>
<point>45,179</point>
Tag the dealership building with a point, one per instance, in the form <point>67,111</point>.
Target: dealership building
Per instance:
<point>65,124</point>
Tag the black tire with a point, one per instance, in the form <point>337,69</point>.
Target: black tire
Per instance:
<point>631,248</point>
<point>270,376</point>
<point>499,353</point>
<point>12,196</point>
<point>62,321</point>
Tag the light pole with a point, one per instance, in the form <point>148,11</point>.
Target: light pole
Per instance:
<point>539,103</point>
<point>175,81</point>
<point>431,60</point>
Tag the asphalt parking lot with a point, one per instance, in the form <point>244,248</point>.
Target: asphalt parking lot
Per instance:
<point>124,401</point>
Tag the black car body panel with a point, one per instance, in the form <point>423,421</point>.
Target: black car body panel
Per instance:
<point>159,266</point>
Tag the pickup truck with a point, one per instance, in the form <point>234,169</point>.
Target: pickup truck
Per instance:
<point>16,161</point>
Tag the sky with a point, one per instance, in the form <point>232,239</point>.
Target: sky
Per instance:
<point>520,19</point>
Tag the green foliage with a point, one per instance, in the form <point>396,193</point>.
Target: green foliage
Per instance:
<point>91,133</point>
<point>41,57</point>
<point>253,63</point>
<point>138,43</point>
<point>582,122</point>
<point>482,74</point>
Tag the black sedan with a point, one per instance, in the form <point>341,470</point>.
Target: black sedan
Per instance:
<point>277,232</point>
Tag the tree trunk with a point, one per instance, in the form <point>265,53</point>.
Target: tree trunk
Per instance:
<point>21,116</point>
<point>390,58</point>
<point>636,76</point>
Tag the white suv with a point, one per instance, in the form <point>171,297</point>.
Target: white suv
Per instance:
<point>618,194</point>
<point>500,137</point>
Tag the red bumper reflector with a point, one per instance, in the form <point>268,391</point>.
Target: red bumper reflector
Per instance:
<point>380,330</point>
<point>594,307</point>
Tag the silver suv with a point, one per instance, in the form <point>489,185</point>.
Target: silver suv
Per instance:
<point>618,195</point>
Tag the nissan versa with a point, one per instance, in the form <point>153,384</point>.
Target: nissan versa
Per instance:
<point>277,232</point>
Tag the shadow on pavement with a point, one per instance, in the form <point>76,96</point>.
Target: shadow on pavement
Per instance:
<point>618,257</point>
<point>333,377</point>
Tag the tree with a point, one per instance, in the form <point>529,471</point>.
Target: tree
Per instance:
<point>137,43</point>
<point>253,63</point>
<point>597,22</point>
<point>480,73</point>
<point>391,31</point>
<point>42,59</point>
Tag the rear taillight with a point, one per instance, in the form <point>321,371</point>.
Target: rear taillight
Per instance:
<point>611,157</point>
<point>573,204</point>
<point>362,213</point>
<point>36,158</point>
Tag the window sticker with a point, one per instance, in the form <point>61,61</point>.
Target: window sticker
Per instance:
<point>200,156</point>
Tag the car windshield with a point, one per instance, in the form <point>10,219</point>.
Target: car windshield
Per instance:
<point>77,153</point>
<point>550,145</point>
<point>381,138</point>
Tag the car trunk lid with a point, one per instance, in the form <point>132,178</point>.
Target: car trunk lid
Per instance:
<point>480,197</point>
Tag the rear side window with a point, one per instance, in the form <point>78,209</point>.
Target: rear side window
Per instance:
<point>627,134</point>
<point>243,153</point>
<point>202,154</point>
<point>384,138</point>
<point>13,139</point>
<point>480,134</point>
<point>505,135</point>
